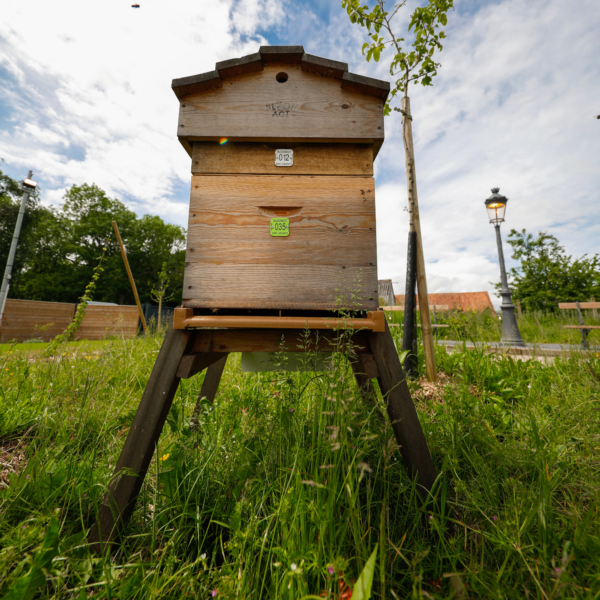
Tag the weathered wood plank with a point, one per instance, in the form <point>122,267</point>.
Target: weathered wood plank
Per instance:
<point>256,106</point>
<point>401,410</point>
<point>140,444</point>
<point>31,319</point>
<point>191,364</point>
<point>102,321</point>
<point>257,158</point>
<point>233,261</point>
<point>271,340</point>
<point>257,286</point>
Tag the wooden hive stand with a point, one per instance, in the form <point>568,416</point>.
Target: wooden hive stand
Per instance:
<point>281,236</point>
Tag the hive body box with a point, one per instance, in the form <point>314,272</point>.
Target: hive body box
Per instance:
<point>281,98</point>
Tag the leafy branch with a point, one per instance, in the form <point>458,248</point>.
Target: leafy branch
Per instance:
<point>74,325</point>
<point>415,64</point>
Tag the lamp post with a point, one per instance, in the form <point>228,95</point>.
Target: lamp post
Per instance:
<point>496,207</point>
<point>28,187</point>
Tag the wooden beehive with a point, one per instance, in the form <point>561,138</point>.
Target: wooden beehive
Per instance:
<point>281,98</point>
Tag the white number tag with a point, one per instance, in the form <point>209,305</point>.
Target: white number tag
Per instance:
<point>284,158</point>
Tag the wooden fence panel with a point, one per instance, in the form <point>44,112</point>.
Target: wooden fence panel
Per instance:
<point>31,319</point>
<point>102,321</point>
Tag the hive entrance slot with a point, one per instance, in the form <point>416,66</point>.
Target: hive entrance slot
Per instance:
<point>280,211</point>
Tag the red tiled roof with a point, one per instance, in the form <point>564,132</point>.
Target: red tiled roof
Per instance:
<point>464,300</point>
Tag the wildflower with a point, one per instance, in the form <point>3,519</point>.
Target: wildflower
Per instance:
<point>163,458</point>
<point>330,569</point>
<point>291,410</point>
<point>293,566</point>
<point>495,518</point>
<point>203,556</point>
<point>84,495</point>
<point>26,476</point>
<point>557,569</point>
<point>24,526</point>
<point>430,517</point>
<point>214,593</point>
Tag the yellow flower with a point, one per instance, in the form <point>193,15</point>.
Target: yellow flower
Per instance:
<point>163,458</point>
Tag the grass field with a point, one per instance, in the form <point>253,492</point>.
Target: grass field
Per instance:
<point>536,327</point>
<point>292,481</point>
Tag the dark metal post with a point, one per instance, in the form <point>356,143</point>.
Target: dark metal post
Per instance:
<point>510,329</point>
<point>409,339</point>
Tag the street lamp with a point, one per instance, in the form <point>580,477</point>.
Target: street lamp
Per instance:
<point>28,187</point>
<point>496,207</point>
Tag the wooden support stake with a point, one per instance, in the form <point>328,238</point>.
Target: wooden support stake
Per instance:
<point>140,444</point>
<point>135,294</point>
<point>413,199</point>
<point>401,411</point>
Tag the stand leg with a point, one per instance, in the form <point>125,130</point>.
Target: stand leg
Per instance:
<point>401,410</point>
<point>210,385</point>
<point>364,370</point>
<point>143,435</point>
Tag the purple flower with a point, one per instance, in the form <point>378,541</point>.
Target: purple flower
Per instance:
<point>214,593</point>
<point>329,569</point>
<point>430,517</point>
<point>84,495</point>
<point>557,569</point>
<point>495,518</point>
<point>291,410</point>
<point>26,476</point>
<point>24,526</point>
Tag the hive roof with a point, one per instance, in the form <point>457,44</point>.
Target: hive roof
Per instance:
<point>280,54</point>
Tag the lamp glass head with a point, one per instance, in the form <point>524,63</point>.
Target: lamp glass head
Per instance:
<point>30,183</point>
<point>496,206</point>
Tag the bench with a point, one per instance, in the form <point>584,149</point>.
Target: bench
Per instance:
<point>432,307</point>
<point>583,328</point>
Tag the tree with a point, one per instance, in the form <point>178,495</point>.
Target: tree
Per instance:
<point>415,65</point>
<point>35,214</point>
<point>62,247</point>
<point>546,275</point>
<point>159,293</point>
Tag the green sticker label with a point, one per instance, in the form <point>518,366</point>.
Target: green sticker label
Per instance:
<point>280,227</point>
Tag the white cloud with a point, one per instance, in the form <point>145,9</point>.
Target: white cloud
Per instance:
<point>87,86</point>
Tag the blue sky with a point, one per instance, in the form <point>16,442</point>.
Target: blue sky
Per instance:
<point>85,97</point>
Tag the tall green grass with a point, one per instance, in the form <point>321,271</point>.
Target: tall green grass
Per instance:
<point>536,327</point>
<point>291,480</point>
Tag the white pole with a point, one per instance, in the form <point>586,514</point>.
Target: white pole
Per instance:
<point>13,248</point>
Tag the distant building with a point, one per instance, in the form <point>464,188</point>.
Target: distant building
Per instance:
<point>386,291</point>
<point>478,301</point>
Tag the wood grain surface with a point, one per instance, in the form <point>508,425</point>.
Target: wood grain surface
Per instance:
<point>271,340</point>
<point>232,261</point>
<point>30,319</point>
<point>305,107</point>
<point>257,158</point>
<point>102,321</point>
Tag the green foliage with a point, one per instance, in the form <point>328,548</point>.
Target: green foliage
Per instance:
<point>291,478</point>
<point>547,276</point>
<point>74,325</point>
<point>159,293</point>
<point>416,64</point>
<point>59,247</point>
